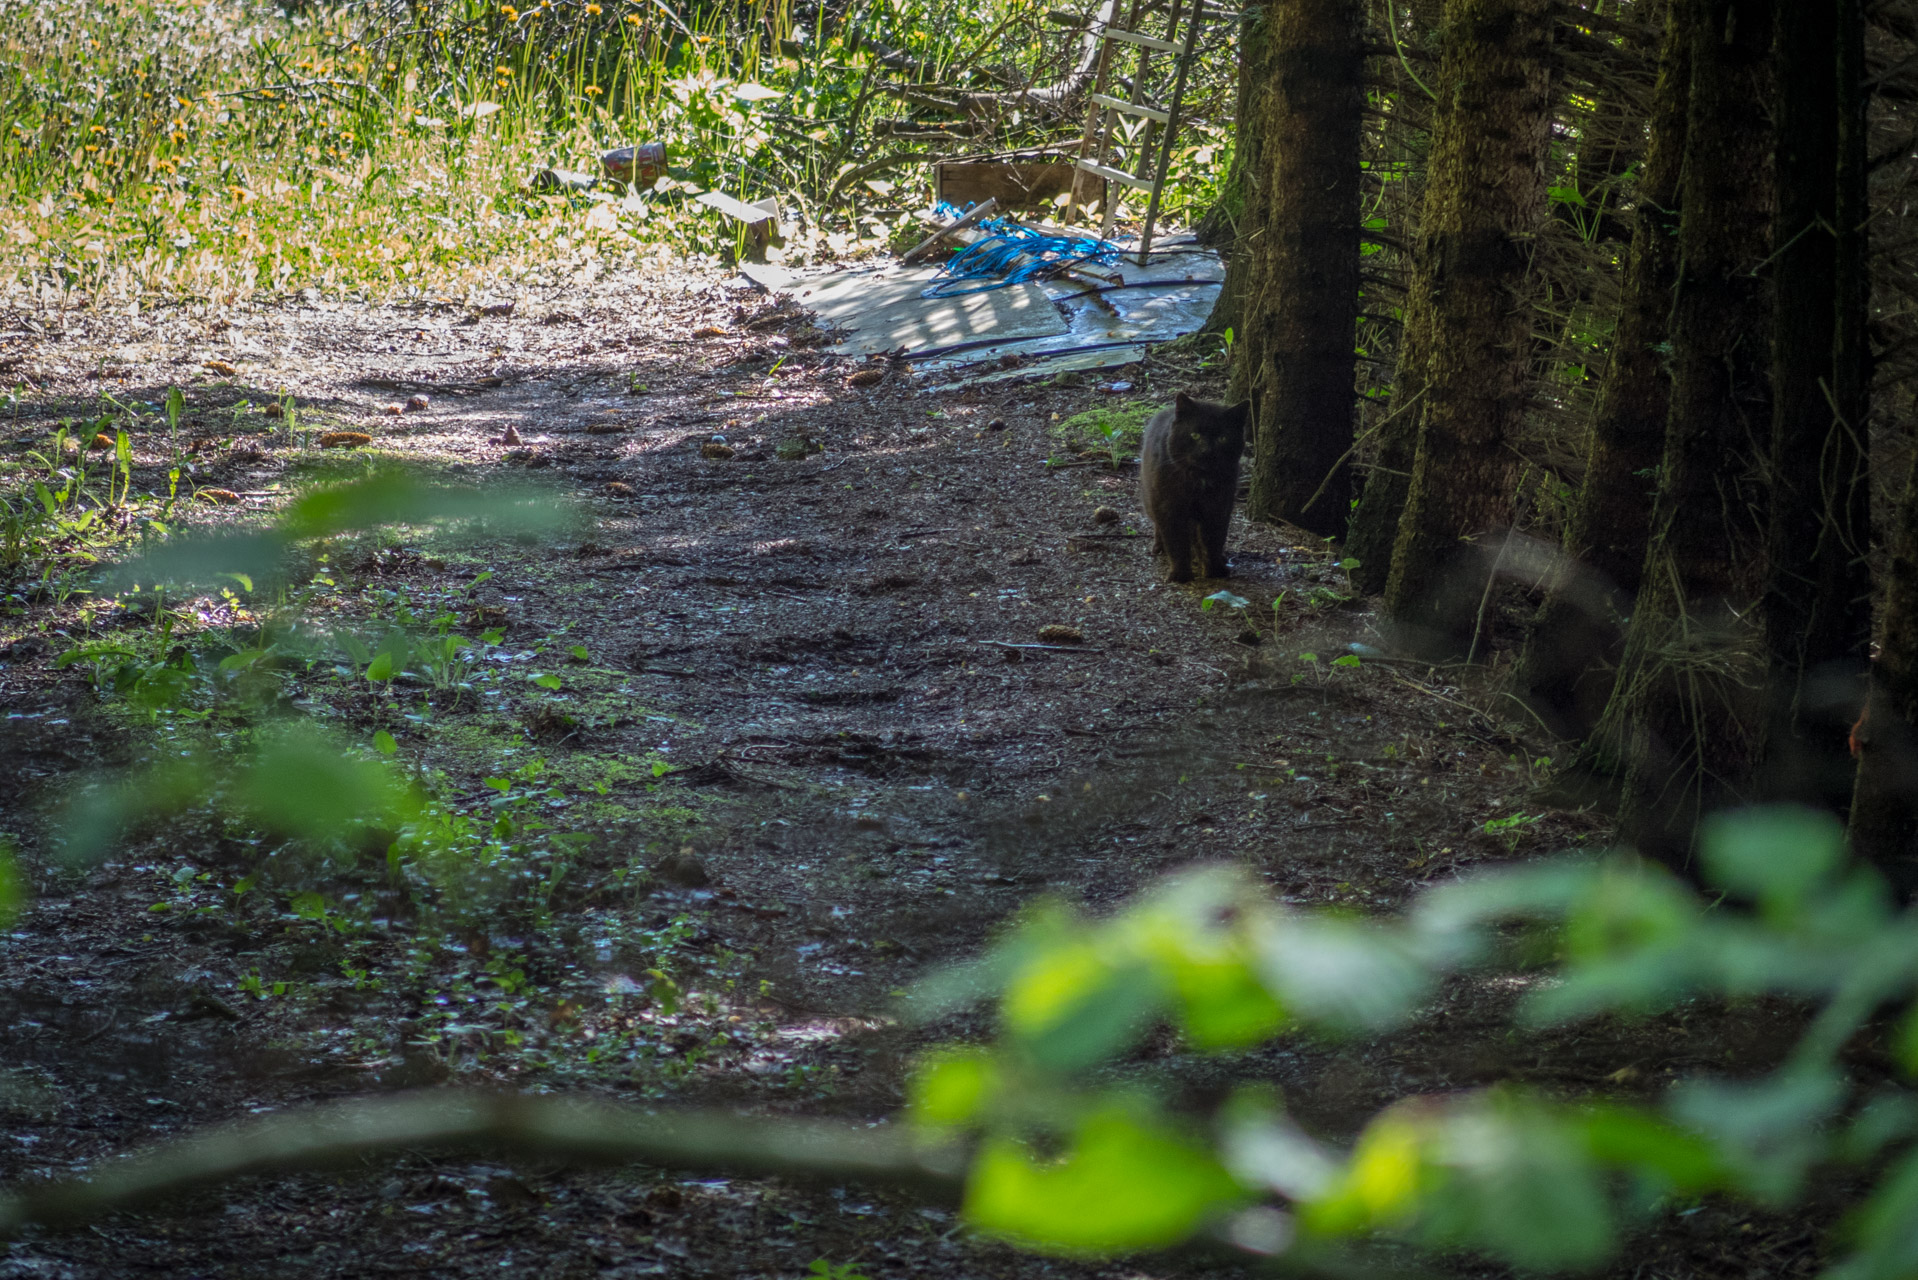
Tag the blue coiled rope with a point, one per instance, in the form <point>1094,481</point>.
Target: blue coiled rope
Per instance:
<point>1012,254</point>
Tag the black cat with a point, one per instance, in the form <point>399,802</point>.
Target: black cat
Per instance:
<point>1188,477</point>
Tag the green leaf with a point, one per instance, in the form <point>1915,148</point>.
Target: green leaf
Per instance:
<point>1630,1139</point>
<point>1074,1004</point>
<point>381,668</point>
<point>547,681</point>
<point>300,784</point>
<point>1346,975</point>
<point>1122,1186</point>
<point>308,906</point>
<point>578,651</point>
<point>1347,660</point>
<point>950,1087</point>
<point>1493,1171</point>
<point>1776,854</point>
<point>13,885</point>
<point>1885,1229</point>
<point>1768,1132</point>
<point>384,743</point>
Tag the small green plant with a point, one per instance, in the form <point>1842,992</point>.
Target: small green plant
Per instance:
<point>1511,827</point>
<point>1114,432</point>
<point>821,1269</point>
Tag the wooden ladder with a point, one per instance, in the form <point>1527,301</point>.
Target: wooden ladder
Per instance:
<point>1095,147</point>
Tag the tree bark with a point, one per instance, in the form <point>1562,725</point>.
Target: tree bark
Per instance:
<point>1687,710</point>
<point>1884,813</point>
<point>1484,202</point>
<point>1565,673</point>
<point>1818,591</point>
<point>1302,285</point>
<point>1240,212</point>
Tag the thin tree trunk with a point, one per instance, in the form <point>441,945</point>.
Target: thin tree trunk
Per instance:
<point>1240,211</point>
<point>1302,297</point>
<point>1818,594</point>
<point>1381,501</point>
<point>1884,814</point>
<point>1484,202</point>
<point>1565,672</point>
<point>1687,709</point>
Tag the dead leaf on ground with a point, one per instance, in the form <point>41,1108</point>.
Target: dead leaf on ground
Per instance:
<point>866,378</point>
<point>344,439</point>
<point>712,331</point>
<point>216,497</point>
<point>1059,633</point>
<point>220,367</point>
<point>716,451</point>
<point>418,403</point>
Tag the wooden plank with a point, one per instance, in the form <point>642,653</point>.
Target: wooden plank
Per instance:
<point>1015,184</point>
<point>1116,175</point>
<point>1131,108</point>
<point>1135,37</point>
<point>960,223</point>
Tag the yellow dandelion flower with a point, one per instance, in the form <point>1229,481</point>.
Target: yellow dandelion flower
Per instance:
<point>633,18</point>
<point>97,128</point>
<point>91,149</point>
<point>502,72</point>
<point>392,66</point>
<point>592,11</point>
<point>594,89</point>
<point>177,136</point>
<point>347,135</point>
<point>510,12</point>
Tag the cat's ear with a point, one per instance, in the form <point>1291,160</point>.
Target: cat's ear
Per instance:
<point>1181,404</point>
<point>1243,409</point>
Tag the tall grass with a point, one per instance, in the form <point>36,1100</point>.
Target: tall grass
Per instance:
<point>166,149</point>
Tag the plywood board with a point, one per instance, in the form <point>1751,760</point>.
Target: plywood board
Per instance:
<point>1015,184</point>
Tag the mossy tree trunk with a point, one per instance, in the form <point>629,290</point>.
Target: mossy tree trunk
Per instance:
<point>1565,671</point>
<point>1300,308</point>
<point>1818,592</point>
<point>1484,202</point>
<point>1687,712</point>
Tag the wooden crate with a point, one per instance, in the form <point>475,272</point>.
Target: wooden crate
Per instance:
<point>1016,184</point>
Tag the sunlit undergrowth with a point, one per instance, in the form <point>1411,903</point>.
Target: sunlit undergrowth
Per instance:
<point>167,148</point>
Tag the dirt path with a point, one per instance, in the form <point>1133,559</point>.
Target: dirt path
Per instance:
<point>810,737</point>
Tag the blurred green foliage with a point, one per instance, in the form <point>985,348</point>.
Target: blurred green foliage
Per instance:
<point>1073,1156</point>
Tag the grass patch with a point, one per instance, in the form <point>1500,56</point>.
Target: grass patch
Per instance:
<point>165,150</point>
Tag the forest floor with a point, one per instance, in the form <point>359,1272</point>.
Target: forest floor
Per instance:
<point>795,721</point>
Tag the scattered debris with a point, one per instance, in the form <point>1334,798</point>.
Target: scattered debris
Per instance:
<point>418,403</point>
<point>220,367</point>
<point>393,410</point>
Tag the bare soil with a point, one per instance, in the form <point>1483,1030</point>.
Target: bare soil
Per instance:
<point>830,640</point>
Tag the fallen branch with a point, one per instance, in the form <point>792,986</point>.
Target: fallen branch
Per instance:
<point>1050,648</point>
<point>562,1128</point>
